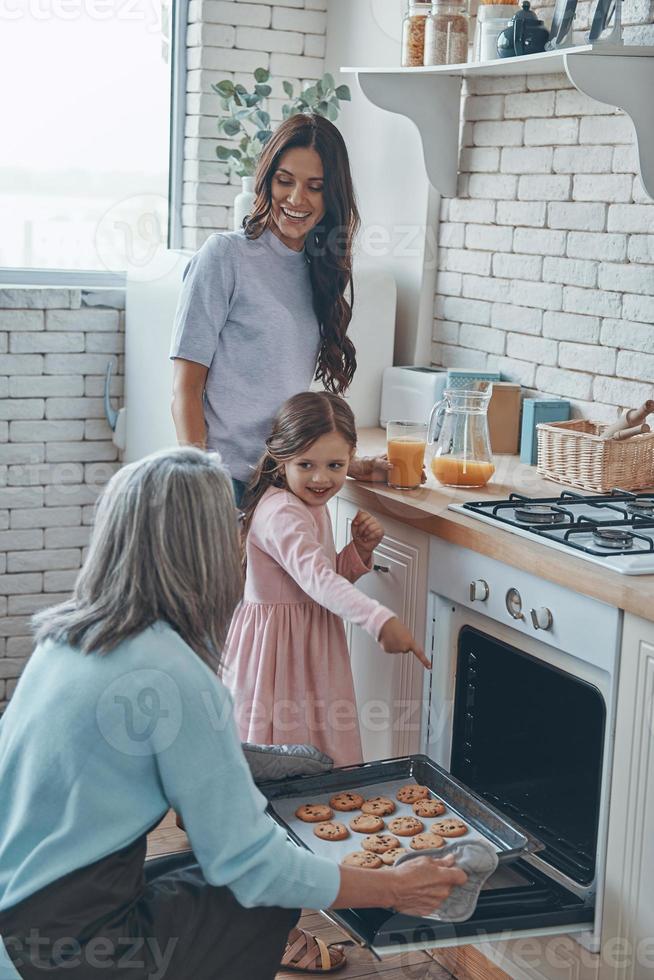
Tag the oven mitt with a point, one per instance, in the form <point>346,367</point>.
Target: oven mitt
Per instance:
<point>478,859</point>
<point>281,761</point>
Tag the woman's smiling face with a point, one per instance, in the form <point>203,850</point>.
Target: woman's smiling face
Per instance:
<point>298,203</point>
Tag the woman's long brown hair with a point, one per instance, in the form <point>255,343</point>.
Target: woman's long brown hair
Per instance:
<point>328,246</point>
<point>300,421</point>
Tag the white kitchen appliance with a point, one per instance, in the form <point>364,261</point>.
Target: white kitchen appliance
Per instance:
<point>410,393</point>
<point>615,529</point>
<point>149,316</point>
<point>521,708</point>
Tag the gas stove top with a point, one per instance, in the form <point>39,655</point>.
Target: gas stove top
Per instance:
<point>615,530</point>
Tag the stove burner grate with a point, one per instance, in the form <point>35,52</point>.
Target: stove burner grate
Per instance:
<point>641,508</point>
<point>613,537</point>
<point>539,514</point>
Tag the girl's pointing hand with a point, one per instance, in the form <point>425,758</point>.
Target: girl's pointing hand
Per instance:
<point>395,637</point>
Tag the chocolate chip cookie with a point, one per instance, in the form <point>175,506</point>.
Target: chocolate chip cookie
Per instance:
<point>366,823</point>
<point>390,857</point>
<point>331,830</point>
<point>346,802</point>
<point>412,792</point>
<point>421,842</point>
<point>380,806</point>
<point>362,859</point>
<point>450,828</point>
<point>378,843</point>
<point>314,812</point>
<point>428,808</point>
<point>406,826</point>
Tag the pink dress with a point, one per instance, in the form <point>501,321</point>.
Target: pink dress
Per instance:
<point>286,661</point>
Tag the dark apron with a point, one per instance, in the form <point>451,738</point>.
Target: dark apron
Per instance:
<point>123,918</point>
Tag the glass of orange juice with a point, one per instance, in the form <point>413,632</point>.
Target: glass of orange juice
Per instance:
<point>406,442</point>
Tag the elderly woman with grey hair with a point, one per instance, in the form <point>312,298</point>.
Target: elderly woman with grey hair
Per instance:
<point>119,715</point>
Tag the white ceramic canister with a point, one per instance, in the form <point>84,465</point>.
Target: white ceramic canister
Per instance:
<point>491,19</point>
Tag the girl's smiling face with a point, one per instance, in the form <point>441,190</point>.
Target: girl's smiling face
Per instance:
<point>297,198</point>
<point>318,473</point>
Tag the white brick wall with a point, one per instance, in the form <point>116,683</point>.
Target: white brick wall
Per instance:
<point>229,39</point>
<point>55,450</point>
<point>548,188</point>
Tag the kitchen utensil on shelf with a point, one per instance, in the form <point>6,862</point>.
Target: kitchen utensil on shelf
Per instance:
<point>561,29</point>
<point>491,19</point>
<point>458,425</point>
<point>487,32</point>
<point>524,34</point>
<point>406,444</point>
<point>604,11</point>
<point>633,416</point>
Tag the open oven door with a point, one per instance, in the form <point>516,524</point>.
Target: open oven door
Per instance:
<point>517,902</point>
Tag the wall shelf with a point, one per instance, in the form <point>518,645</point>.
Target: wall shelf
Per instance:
<point>621,76</point>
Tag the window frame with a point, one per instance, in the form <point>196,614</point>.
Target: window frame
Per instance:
<point>90,278</point>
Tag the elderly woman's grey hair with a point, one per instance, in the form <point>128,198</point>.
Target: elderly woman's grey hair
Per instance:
<point>164,547</point>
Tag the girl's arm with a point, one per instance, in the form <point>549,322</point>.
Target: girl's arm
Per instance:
<point>289,535</point>
<point>356,558</point>
<point>349,563</point>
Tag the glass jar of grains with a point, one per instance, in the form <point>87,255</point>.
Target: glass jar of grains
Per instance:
<point>446,33</point>
<point>413,32</point>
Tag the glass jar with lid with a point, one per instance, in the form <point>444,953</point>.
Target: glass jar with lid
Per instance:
<point>446,33</point>
<point>413,32</point>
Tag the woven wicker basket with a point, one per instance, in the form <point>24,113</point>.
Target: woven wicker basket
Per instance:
<point>575,454</point>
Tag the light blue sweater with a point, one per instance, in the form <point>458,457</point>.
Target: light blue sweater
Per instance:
<point>95,749</point>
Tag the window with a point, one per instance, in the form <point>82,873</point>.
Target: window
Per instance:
<point>85,118</point>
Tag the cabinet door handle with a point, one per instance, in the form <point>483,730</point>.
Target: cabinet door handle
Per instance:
<point>381,568</point>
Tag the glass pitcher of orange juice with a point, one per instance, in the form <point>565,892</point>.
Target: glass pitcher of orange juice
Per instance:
<point>458,426</point>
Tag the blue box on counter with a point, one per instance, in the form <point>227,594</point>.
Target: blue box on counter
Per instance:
<point>534,412</point>
<point>460,378</point>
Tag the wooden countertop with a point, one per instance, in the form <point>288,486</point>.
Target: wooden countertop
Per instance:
<point>426,510</point>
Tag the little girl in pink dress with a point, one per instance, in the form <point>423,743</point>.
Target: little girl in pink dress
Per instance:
<point>286,660</point>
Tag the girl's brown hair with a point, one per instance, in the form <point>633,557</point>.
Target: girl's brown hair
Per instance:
<point>301,420</point>
<point>328,247</point>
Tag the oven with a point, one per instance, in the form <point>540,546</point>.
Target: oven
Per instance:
<point>520,706</point>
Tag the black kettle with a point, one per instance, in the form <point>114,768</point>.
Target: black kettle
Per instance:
<point>524,34</point>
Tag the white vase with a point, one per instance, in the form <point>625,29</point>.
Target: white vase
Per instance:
<point>243,202</point>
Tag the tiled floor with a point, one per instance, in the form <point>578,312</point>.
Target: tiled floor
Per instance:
<point>167,839</point>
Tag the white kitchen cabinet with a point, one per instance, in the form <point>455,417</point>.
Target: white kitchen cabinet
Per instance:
<point>628,922</point>
<point>389,687</point>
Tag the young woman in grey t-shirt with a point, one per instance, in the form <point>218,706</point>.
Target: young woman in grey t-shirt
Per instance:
<point>266,310</point>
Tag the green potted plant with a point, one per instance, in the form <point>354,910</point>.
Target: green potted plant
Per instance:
<point>246,119</point>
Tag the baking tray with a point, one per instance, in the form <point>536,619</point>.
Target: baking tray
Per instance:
<point>383,778</point>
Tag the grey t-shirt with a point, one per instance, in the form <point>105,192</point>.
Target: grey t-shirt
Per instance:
<point>246,312</point>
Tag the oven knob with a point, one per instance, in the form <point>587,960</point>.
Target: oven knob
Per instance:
<point>479,590</point>
<point>514,604</point>
<point>541,619</point>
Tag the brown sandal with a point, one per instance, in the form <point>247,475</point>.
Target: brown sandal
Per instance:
<point>309,954</point>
